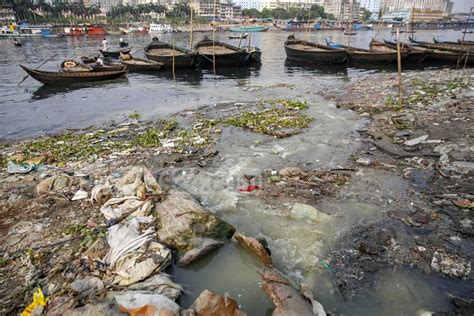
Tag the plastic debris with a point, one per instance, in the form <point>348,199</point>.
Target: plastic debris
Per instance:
<point>20,168</point>
<point>101,193</point>
<point>159,284</point>
<point>304,211</point>
<point>124,238</point>
<point>249,188</point>
<point>87,286</point>
<point>80,195</point>
<point>39,302</point>
<point>416,141</point>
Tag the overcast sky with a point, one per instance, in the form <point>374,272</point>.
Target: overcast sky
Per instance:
<point>463,5</point>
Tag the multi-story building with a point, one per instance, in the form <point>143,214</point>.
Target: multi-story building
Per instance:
<point>341,9</point>
<point>106,5</point>
<point>7,14</point>
<point>373,6</point>
<point>396,15</point>
<point>223,9</point>
<point>427,15</point>
<point>273,4</point>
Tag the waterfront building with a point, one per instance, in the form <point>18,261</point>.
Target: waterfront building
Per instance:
<point>373,6</point>
<point>224,9</point>
<point>273,4</point>
<point>7,14</point>
<point>341,9</point>
<point>396,15</point>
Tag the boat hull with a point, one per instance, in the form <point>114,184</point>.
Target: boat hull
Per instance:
<point>249,29</point>
<point>225,55</point>
<point>67,78</point>
<point>184,59</point>
<point>114,54</point>
<point>145,65</point>
<point>328,56</point>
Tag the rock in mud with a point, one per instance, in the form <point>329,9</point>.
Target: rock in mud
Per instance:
<point>255,247</point>
<point>450,264</point>
<point>212,304</point>
<point>287,299</point>
<point>184,225</point>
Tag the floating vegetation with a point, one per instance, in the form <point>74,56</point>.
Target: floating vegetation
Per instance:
<point>274,121</point>
<point>135,115</point>
<point>66,147</point>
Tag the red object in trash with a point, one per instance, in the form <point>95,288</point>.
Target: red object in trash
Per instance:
<point>250,188</point>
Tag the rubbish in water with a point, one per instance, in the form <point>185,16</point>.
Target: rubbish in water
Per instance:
<point>37,306</point>
<point>249,188</point>
<point>80,195</point>
<point>464,203</point>
<point>20,168</point>
<point>327,266</point>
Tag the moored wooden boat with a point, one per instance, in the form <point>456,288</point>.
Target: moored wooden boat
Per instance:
<point>361,55</point>
<point>224,54</point>
<point>457,43</point>
<point>140,64</point>
<point>437,55</point>
<point>65,78</point>
<point>408,54</point>
<point>312,52</point>
<point>114,53</point>
<point>447,47</point>
<point>167,54</point>
<point>107,66</point>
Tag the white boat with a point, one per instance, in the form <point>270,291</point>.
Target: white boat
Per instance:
<point>160,28</point>
<point>27,31</point>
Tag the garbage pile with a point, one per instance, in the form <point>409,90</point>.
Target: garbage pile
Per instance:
<point>120,264</point>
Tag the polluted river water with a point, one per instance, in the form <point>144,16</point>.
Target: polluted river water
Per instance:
<point>299,245</point>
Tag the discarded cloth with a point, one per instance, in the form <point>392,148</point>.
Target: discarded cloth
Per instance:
<point>138,182</point>
<point>249,188</point>
<point>127,205</point>
<point>159,284</point>
<point>126,237</point>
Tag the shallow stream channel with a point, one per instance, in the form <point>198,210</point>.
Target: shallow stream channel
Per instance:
<point>300,243</point>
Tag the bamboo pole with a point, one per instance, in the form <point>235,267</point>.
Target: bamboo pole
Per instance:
<point>214,41</point>
<point>191,31</point>
<point>174,52</point>
<point>462,43</point>
<point>399,63</point>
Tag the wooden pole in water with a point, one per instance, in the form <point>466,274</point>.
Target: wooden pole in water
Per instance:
<point>399,63</point>
<point>174,52</point>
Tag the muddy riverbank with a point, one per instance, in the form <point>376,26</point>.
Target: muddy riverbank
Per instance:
<point>347,197</point>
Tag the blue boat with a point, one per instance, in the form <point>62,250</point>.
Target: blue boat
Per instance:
<point>256,28</point>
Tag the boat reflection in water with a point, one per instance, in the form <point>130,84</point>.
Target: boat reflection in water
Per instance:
<point>292,66</point>
<point>47,91</point>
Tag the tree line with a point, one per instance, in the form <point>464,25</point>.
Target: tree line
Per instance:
<point>315,12</point>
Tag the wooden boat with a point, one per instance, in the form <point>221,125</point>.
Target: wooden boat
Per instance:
<point>350,32</point>
<point>447,47</point>
<point>245,35</point>
<point>256,28</point>
<point>361,55</point>
<point>223,53</point>
<point>313,52</point>
<point>65,78</point>
<point>408,54</point>
<point>17,43</point>
<point>165,53</point>
<point>123,44</point>
<point>436,55</point>
<point>455,44</point>
<point>139,64</point>
<point>107,66</point>
<point>114,53</point>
